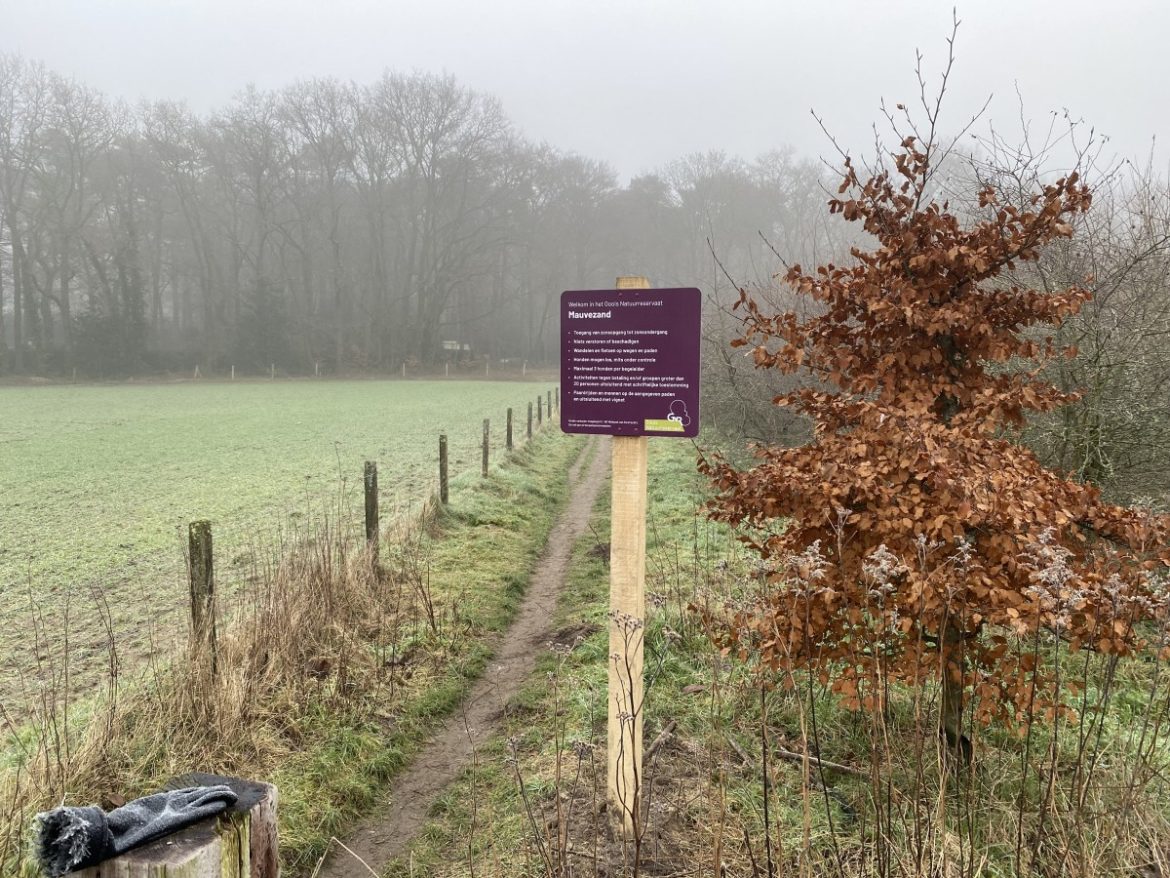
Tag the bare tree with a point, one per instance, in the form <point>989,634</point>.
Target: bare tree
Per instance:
<point>1113,435</point>
<point>24,106</point>
<point>320,115</point>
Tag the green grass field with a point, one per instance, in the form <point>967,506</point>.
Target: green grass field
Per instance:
<point>98,483</point>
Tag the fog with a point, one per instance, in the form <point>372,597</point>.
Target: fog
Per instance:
<point>636,83</point>
<point>198,188</point>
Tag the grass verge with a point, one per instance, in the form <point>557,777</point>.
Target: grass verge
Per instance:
<point>335,674</point>
<point>735,787</point>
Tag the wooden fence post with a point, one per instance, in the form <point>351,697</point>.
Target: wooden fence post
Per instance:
<point>529,420</point>
<point>539,412</point>
<point>443,468</point>
<point>508,435</point>
<point>371,486</point>
<point>548,406</point>
<point>202,577</point>
<point>486,426</point>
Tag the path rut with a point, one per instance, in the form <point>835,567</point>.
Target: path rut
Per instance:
<point>383,837</point>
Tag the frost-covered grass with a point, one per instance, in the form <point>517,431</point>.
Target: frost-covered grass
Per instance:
<point>327,684</point>
<point>98,484</point>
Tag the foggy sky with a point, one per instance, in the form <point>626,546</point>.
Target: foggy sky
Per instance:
<point>640,82</point>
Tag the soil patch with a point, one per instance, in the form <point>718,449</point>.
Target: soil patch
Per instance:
<point>573,634</point>
<point>386,835</point>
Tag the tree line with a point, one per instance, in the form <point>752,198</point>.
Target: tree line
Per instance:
<point>334,226</point>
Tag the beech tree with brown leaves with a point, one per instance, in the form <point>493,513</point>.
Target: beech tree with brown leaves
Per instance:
<point>912,540</point>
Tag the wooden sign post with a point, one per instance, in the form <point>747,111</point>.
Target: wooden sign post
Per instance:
<point>627,611</point>
<point>630,369</point>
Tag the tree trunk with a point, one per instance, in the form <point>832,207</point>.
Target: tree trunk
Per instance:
<point>64,307</point>
<point>17,300</point>
<point>3,334</point>
<point>156,277</point>
<point>953,670</point>
<point>338,324</point>
<point>951,640</point>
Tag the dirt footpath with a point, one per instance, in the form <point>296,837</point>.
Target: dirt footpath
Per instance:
<point>385,836</point>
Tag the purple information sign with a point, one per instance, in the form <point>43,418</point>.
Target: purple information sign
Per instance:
<point>630,362</point>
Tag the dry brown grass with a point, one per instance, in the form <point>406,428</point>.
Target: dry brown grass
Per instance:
<point>329,673</point>
<point>316,632</point>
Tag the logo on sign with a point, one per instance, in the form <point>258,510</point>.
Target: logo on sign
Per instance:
<point>676,420</point>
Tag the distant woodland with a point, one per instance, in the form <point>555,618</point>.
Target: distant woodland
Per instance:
<point>340,228</point>
<point>335,226</point>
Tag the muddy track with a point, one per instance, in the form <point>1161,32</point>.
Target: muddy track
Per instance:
<point>386,835</point>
